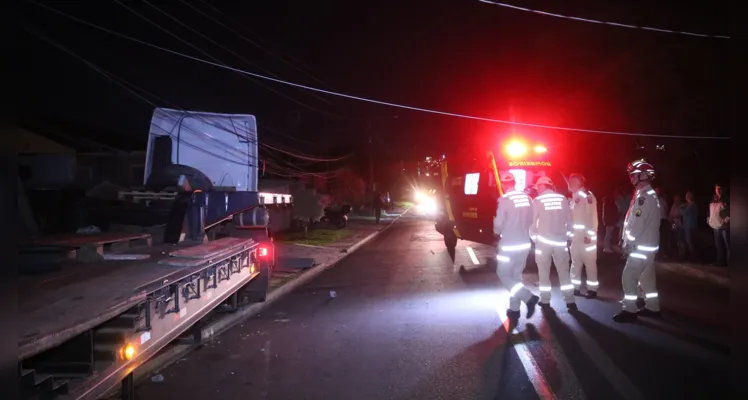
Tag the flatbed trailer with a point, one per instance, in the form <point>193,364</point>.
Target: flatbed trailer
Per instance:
<point>88,328</point>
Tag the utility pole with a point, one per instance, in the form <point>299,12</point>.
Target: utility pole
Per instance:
<point>371,161</point>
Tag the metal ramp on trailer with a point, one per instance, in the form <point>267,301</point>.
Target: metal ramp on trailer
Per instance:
<point>121,313</point>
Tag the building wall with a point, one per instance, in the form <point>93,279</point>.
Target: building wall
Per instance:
<point>122,170</point>
<point>46,171</point>
<point>31,143</point>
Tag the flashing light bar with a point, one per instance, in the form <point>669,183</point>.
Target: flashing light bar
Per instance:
<point>275,198</point>
<point>517,149</point>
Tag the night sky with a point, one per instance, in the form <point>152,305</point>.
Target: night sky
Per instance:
<point>460,56</point>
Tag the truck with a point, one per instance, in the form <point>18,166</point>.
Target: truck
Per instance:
<point>470,187</point>
<point>115,300</point>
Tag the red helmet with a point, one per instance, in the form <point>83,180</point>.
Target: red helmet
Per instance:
<point>639,166</point>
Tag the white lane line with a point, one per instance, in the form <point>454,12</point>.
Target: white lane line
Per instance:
<point>473,258</point>
<point>615,376</point>
<point>531,367</point>
<point>568,377</point>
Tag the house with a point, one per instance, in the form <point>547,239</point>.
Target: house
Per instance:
<point>54,153</point>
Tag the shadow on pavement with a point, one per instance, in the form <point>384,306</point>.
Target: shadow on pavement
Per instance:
<point>679,331</point>
<point>479,277</point>
<point>592,382</point>
<point>656,372</point>
<point>498,371</point>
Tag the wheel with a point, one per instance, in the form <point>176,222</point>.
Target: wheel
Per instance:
<point>257,289</point>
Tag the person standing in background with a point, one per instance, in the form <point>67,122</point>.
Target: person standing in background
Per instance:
<point>676,225</point>
<point>623,202</point>
<point>377,203</point>
<point>610,220</point>
<point>665,227</point>
<point>690,222</point>
<point>719,221</point>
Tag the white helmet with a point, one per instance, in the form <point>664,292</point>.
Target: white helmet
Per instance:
<point>506,176</point>
<point>544,180</point>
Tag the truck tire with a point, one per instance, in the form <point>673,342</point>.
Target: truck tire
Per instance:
<point>257,289</point>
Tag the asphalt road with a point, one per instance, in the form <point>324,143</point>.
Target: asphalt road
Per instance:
<point>408,323</point>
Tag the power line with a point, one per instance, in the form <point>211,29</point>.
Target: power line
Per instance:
<point>206,37</point>
<point>594,21</point>
<point>218,61</point>
<point>303,157</point>
<point>119,82</point>
<point>252,42</point>
<point>465,116</point>
<point>124,84</point>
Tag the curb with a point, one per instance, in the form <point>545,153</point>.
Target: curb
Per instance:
<point>694,273</point>
<point>171,355</point>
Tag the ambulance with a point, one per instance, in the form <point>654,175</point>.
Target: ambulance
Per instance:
<point>470,187</point>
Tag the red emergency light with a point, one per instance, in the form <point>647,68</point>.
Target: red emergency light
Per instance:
<point>517,149</point>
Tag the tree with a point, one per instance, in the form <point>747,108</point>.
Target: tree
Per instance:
<point>308,206</point>
<point>349,188</point>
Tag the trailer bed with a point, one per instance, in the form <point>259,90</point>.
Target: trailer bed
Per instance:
<point>56,307</point>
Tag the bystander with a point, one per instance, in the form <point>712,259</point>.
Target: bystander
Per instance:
<point>690,224</point>
<point>665,227</point>
<point>611,217</point>
<point>719,221</point>
<point>675,222</point>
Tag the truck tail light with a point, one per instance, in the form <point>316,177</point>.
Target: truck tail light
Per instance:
<point>540,149</point>
<point>263,251</point>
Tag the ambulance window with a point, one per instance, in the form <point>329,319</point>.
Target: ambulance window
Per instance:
<point>520,177</point>
<point>471,183</point>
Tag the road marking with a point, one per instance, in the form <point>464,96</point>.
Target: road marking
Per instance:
<point>607,367</point>
<point>571,383</point>
<point>473,258</point>
<point>531,367</point>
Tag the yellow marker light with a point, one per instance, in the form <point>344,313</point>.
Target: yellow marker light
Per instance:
<point>127,352</point>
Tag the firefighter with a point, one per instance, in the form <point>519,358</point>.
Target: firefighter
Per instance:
<point>584,236</point>
<point>551,230</point>
<point>512,224</point>
<point>641,237</point>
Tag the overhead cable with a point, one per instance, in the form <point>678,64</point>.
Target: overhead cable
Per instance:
<point>373,101</point>
<point>206,37</point>
<point>215,59</point>
<point>595,21</point>
<point>248,40</point>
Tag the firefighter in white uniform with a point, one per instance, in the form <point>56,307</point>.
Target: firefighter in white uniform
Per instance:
<point>641,238</point>
<point>512,224</point>
<point>584,236</point>
<point>550,230</point>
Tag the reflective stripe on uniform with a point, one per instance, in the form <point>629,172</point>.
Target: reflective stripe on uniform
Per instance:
<point>551,242</point>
